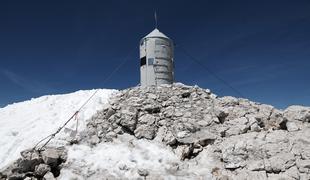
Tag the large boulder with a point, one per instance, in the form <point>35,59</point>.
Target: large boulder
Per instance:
<point>41,170</point>
<point>30,159</point>
<point>297,113</point>
<point>279,162</point>
<point>145,131</point>
<point>54,156</point>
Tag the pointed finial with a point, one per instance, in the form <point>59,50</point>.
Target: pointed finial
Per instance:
<point>155,15</point>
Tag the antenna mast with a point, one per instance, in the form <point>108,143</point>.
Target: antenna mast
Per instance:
<point>155,15</point>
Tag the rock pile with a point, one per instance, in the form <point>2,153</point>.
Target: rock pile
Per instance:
<point>246,140</point>
<point>35,164</point>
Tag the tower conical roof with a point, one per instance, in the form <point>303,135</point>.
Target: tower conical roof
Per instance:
<point>156,33</point>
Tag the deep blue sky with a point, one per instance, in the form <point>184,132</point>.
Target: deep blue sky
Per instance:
<point>261,47</point>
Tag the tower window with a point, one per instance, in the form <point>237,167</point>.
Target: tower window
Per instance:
<point>150,61</point>
<point>143,61</point>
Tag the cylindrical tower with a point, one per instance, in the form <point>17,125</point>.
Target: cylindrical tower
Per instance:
<point>156,59</point>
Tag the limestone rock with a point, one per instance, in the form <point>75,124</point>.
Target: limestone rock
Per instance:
<point>292,126</point>
<point>237,126</point>
<point>298,113</point>
<point>250,175</point>
<point>94,140</point>
<point>128,119</point>
<point>169,138</point>
<point>281,162</point>
<point>279,177</point>
<point>111,135</point>
<point>303,166</point>
<point>152,109</point>
<point>53,157</point>
<point>42,169</point>
<point>256,165</point>
<point>16,176</point>
<point>109,113</point>
<point>147,119</point>
<point>30,158</point>
<point>143,172</point>
<point>235,155</point>
<point>292,172</point>
<point>203,137</point>
<point>145,131</point>
<point>49,176</point>
<point>183,151</point>
<point>304,176</point>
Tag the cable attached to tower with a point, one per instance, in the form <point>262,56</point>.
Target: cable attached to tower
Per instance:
<point>74,116</point>
<point>209,71</point>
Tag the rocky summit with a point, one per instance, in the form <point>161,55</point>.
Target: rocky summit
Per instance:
<point>242,139</point>
<point>220,138</point>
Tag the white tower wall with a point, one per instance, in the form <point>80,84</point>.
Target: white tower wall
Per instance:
<point>156,59</point>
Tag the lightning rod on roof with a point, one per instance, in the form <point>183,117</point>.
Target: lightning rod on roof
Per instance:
<point>155,15</point>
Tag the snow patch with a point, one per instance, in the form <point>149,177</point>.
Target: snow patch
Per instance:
<point>23,124</point>
<point>122,157</point>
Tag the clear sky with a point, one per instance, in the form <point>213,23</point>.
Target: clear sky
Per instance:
<point>261,48</point>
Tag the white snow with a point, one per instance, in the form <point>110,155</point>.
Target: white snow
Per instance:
<point>121,157</point>
<point>23,124</point>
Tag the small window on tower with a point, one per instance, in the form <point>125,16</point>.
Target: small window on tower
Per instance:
<point>150,61</point>
<point>143,61</point>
